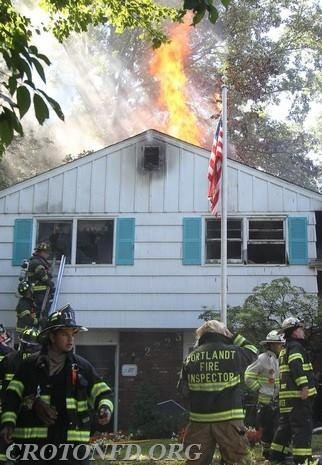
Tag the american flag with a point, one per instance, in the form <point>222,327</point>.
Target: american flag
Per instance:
<point>214,169</point>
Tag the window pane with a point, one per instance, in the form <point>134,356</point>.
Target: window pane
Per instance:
<point>234,229</point>
<point>266,253</point>
<point>266,230</point>
<point>213,229</point>
<point>213,239</point>
<point>58,234</point>
<point>233,250</point>
<point>94,241</point>
<point>213,250</point>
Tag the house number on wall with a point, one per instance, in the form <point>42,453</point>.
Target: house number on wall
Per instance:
<point>147,351</point>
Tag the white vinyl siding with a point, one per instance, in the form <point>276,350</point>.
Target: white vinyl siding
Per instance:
<point>157,291</point>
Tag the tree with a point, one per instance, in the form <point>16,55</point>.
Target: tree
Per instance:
<point>267,307</point>
<point>18,91</point>
<point>270,53</point>
<point>25,157</point>
<point>256,137</point>
<point>269,304</point>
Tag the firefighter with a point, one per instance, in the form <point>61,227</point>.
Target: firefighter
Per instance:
<point>5,338</point>
<point>28,344</point>
<point>262,377</point>
<point>49,400</point>
<point>211,380</point>
<point>297,391</point>
<point>40,278</point>
<point>26,308</point>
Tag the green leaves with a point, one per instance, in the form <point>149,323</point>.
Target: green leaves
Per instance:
<point>9,124</point>
<point>17,89</point>
<point>23,100</point>
<point>41,109</point>
<point>200,7</point>
<point>269,304</point>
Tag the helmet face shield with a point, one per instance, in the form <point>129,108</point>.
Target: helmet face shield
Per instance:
<point>42,247</point>
<point>29,337</point>
<point>23,287</point>
<point>29,348</point>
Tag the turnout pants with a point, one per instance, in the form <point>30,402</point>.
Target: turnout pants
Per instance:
<point>267,421</point>
<point>294,434</point>
<point>229,436</point>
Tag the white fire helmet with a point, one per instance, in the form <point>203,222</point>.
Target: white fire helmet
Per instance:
<point>273,337</point>
<point>291,322</point>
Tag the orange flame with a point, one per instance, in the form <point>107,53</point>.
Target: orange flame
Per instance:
<point>167,66</point>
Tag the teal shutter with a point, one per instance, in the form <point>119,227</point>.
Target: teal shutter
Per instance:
<point>22,238</point>
<point>125,231</point>
<point>297,240</point>
<point>191,241</point>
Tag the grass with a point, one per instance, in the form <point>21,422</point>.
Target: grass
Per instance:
<point>163,451</point>
<point>317,443</point>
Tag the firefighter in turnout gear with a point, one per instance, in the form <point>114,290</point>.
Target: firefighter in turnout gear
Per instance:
<point>4,348</point>
<point>40,278</point>
<point>297,391</point>
<point>26,308</point>
<point>211,380</point>
<point>4,340</point>
<point>262,377</point>
<point>28,344</point>
<point>49,400</point>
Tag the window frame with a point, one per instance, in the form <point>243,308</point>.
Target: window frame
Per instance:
<point>74,226</point>
<point>94,220</point>
<point>209,261</point>
<point>266,241</point>
<point>245,241</point>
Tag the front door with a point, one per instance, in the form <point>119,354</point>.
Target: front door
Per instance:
<point>102,357</point>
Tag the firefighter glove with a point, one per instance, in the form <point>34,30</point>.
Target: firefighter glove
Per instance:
<point>104,416</point>
<point>45,413</point>
<point>304,393</point>
<point>6,433</point>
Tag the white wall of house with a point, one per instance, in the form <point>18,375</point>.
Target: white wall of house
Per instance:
<point>157,291</point>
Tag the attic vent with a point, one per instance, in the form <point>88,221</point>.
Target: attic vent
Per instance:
<point>152,158</point>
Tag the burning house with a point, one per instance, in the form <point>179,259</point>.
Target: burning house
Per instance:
<point>143,252</point>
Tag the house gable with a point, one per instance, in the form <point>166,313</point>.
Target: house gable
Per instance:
<point>113,180</point>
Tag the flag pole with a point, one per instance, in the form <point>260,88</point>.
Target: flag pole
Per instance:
<point>223,293</point>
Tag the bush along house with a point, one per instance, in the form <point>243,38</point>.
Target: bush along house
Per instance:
<point>143,252</point>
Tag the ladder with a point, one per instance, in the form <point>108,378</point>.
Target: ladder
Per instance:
<point>53,306</point>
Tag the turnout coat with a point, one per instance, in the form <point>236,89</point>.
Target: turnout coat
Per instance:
<point>211,377</point>
<point>80,391</point>
<point>296,372</point>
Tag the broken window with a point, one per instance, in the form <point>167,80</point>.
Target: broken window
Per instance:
<point>58,234</point>
<point>152,158</point>
<point>94,242</point>
<point>266,241</point>
<point>213,240</point>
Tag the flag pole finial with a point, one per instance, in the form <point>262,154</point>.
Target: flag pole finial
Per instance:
<point>224,81</point>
